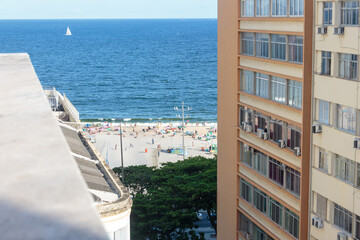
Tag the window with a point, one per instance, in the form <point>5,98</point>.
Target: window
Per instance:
<point>296,49</point>
<point>262,85</point>
<point>321,206</point>
<point>296,7</point>
<point>262,45</point>
<point>263,7</point>
<point>327,13</point>
<point>292,223</point>
<point>260,123</point>
<point>259,234</point>
<point>295,93</point>
<point>245,224</point>
<point>279,7</point>
<point>325,63</point>
<point>247,8</point>
<point>346,118</point>
<point>245,115</point>
<point>323,164</point>
<point>324,112</point>
<point>278,46</point>
<point>348,66</point>
<point>278,89</point>
<point>259,200</point>
<point>276,171</point>
<point>344,169</point>
<point>247,41</point>
<point>358,175</point>
<point>276,131</point>
<point>246,154</point>
<point>260,163</point>
<point>293,139</point>
<point>248,81</point>
<point>293,180</point>
<point>350,13</point>
<point>246,190</point>
<point>275,211</point>
<point>343,218</point>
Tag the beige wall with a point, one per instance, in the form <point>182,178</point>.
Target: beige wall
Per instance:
<point>294,71</point>
<point>269,25</point>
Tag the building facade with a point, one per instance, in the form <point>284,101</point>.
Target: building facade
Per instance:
<point>265,61</point>
<point>335,212</point>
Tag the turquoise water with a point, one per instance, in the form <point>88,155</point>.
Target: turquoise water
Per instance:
<point>138,69</point>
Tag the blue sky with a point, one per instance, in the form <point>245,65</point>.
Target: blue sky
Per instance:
<point>59,9</point>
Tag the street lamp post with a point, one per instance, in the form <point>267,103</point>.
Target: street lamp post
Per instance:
<point>121,153</point>
<point>183,109</point>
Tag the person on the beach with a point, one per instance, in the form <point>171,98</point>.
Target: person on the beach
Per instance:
<point>115,146</point>
<point>152,141</point>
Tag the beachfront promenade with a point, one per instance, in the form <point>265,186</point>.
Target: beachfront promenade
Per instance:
<point>139,149</point>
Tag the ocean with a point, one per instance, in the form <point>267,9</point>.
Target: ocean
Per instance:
<point>133,69</point>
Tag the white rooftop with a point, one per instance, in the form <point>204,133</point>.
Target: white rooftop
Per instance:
<point>42,193</point>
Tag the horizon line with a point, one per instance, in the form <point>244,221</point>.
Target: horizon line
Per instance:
<point>177,18</point>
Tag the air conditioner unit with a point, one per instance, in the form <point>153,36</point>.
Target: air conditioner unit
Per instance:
<point>316,128</point>
<point>297,151</point>
<point>322,30</point>
<point>317,222</point>
<point>247,236</point>
<point>357,143</point>
<point>260,132</point>
<point>246,148</point>
<point>281,143</point>
<point>265,136</point>
<point>341,236</point>
<point>248,128</point>
<point>339,30</point>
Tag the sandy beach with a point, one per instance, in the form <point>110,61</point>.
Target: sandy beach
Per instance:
<point>151,144</point>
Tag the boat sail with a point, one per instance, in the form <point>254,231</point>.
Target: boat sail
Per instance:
<point>68,33</point>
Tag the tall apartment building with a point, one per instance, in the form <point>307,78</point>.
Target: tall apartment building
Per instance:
<point>336,163</point>
<point>265,118</point>
<point>289,100</point>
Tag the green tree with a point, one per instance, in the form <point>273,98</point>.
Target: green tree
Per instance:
<point>166,199</point>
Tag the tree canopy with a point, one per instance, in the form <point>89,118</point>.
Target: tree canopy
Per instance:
<point>166,199</point>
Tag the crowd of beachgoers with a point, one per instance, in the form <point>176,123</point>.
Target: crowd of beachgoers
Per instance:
<point>151,143</point>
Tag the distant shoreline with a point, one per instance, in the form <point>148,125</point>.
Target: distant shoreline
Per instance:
<point>155,122</point>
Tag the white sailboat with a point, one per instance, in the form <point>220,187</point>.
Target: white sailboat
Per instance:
<point>68,33</point>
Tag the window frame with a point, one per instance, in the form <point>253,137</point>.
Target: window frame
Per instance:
<point>278,46</point>
<point>323,161</point>
<point>344,122</point>
<point>348,66</point>
<point>343,216</point>
<point>262,46</point>
<point>293,180</point>
<point>248,80</point>
<point>294,92</point>
<point>262,85</point>
<point>246,8</point>
<point>247,40</point>
<point>345,169</point>
<point>325,63</point>
<point>346,19</point>
<point>263,8</point>
<point>327,11</point>
<point>323,112</point>
<point>292,219</point>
